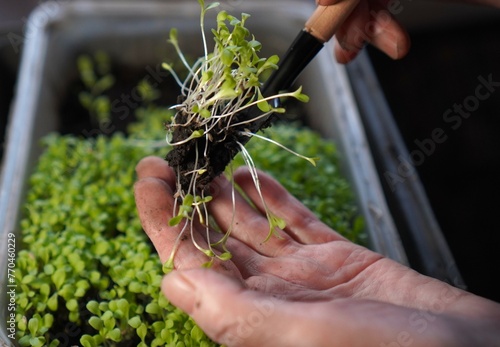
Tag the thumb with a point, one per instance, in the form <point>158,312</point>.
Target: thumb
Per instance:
<point>226,311</point>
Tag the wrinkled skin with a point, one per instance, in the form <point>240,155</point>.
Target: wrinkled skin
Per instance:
<point>311,287</point>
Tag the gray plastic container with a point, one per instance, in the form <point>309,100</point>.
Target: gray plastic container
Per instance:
<point>135,33</point>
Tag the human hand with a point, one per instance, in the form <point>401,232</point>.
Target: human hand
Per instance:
<point>371,22</point>
<point>311,287</point>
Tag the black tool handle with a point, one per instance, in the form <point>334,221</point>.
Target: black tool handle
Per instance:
<point>301,52</point>
<point>319,28</point>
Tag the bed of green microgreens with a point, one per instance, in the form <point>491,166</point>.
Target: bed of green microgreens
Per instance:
<point>86,259</point>
<point>219,86</point>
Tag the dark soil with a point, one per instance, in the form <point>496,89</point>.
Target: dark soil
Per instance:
<point>189,156</point>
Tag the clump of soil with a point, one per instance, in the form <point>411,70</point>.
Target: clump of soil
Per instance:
<point>200,153</point>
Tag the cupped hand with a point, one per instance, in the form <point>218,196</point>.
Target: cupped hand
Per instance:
<point>307,287</point>
<point>371,22</point>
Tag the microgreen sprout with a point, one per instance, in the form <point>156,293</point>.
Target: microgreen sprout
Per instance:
<point>221,105</point>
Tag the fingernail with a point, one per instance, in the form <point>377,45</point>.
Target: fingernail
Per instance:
<point>179,289</point>
<point>179,281</point>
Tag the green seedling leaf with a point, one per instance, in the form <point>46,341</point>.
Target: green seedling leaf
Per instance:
<point>123,305</point>
<point>22,324</point>
<point>175,220</point>
<point>198,200</point>
<point>221,18</point>
<point>88,341</point>
<point>153,308</point>
<point>135,322</point>
<point>208,252</point>
<point>44,290</point>
<point>208,264</point>
<point>197,334</point>
<point>225,256</point>
<point>103,84</point>
<point>263,105</point>
<point>37,341</point>
<point>25,341</point>
<point>274,222</point>
<point>48,320</point>
<point>96,323</point>
<point>299,96</point>
<point>72,305</point>
<point>270,63</point>
<point>227,57</point>
<point>168,266</point>
<point>142,330</point>
<point>33,325</point>
<point>59,277</point>
<point>93,307</point>
<point>188,200</point>
<point>114,335</point>
<point>52,302</point>
<point>49,269</point>
<point>173,36</point>
<point>167,66</point>
<point>205,113</point>
<point>212,5</point>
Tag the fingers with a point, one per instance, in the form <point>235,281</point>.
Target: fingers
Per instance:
<point>301,224</point>
<point>155,204</point>
<point>233,315</point>
<point>371,22</point>
<point>155,167</point>
<point>231,211</point>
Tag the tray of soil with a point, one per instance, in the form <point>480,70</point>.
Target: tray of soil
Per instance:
<point>134,37</point>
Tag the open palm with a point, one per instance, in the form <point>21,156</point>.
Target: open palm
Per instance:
<point>309,286</point>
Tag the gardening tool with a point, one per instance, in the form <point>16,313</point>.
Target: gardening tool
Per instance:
<point>319,29</point>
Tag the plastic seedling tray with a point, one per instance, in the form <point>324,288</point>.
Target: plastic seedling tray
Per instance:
<point>135,34</point>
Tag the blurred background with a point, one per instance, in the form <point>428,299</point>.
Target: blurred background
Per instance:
<point>454,48</point>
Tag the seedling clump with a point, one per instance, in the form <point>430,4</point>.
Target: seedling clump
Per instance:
<point>220,107</point>
<point>211,119</point>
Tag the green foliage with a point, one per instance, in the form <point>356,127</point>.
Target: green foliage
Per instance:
<point>86,259</point>
<point>95,72</point>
